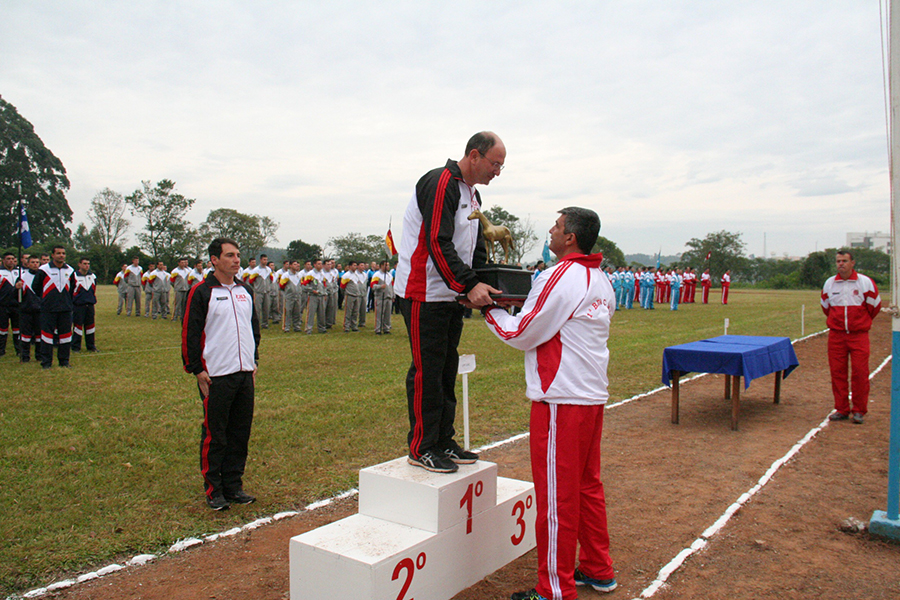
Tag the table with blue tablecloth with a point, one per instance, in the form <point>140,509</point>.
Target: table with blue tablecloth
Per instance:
<point>735,356</point>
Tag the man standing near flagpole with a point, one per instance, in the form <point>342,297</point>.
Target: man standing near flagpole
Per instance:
<point>439,250</point>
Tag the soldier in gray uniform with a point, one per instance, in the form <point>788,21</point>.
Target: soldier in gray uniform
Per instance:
<point>161,286</point>
<point>305,275</point>
<point>354,291</point>
<point>259,277</point>
<point>290,286</point>
<point>133,279</point>
<point>331,293</point>
<point>121,287</point>
<point>317,299</point>
<point>182,287</point>
<point>383,288</point>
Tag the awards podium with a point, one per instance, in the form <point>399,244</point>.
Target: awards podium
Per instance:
<point>418,535</point>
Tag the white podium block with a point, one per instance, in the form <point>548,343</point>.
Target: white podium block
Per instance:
<point>367,558</point>
<point>401,493</point>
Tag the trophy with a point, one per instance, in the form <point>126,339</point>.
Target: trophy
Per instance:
<point>514,282</point>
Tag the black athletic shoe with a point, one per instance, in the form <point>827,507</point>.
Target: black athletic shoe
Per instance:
<point>218,502</point>
<point>240,497</point>
<point>838,417</point>
<point>601,585</point>
<point>454,452</point>
<point>431,461</point>
<point>529,595</point>
<point>858,418</point>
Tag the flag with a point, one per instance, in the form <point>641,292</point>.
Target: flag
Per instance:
<point>24,231</point>
<point>389,244</point>
<point>545,256</point>
<point>658,258</point>
<point>708,254</point>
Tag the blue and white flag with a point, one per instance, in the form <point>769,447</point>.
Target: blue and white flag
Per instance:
<point>546,254</point>
<point>24,232</point>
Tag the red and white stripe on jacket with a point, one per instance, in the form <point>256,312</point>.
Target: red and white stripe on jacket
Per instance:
<point>563,329</point>
<point>437,247</point>
<point>850,304</point>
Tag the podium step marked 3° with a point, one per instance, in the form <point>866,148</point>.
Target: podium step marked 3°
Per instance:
<point>418,535</point>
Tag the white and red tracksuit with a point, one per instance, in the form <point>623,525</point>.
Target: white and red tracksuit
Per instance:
<point>563,329</point>
<point>706,283</point>
<point>726,283</point>
<point>850,305</point>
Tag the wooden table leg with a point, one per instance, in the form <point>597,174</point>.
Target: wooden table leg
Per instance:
<point>728,387</point>
<point>778,376</point>
<point>675,395</point>
<point>735,401</point>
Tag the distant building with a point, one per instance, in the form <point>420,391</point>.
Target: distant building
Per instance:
<point>874,240</point>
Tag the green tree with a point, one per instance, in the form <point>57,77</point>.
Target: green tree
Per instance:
<point>300,250</point>
<point>726,252</point>
<point>521,230</point>
<point>29,171</point>
<point>105,239</point>
<point>612,255</point>
<point>816,268</point>
<point>251,232</point>
<point>355,246</point>
<point>168,235</point>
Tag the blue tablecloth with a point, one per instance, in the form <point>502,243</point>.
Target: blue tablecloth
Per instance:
<point>741,355</point>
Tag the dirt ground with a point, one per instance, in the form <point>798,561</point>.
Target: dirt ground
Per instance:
<point>665,484</point>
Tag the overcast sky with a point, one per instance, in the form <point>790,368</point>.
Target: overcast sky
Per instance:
<point>671,119</point>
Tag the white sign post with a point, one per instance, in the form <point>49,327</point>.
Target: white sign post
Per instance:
<point>466,366</point>
<point>726,326</point>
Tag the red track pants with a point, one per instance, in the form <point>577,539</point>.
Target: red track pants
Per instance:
<point>842,345</point>
<point>571,507</point>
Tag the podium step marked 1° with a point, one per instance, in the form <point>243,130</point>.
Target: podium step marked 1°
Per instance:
<point>418,535</point>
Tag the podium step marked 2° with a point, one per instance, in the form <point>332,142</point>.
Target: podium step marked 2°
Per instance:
<point>418,535</point>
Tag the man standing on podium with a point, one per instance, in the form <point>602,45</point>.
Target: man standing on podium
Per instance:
<point>438,252</point>
<point>563,328</point>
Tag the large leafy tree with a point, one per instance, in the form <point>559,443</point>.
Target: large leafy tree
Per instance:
<point>356,246</point>
<point>167,234</point>
<point>725,249</point>
<point>29,171</point>
<point>251,232</point>
<point>521,230</point>
<point>300,250</point>
<point>612,255</point>
<point>103,242</point>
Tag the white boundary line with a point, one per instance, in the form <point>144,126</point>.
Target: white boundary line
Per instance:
<point>142,559</point>
<point>713,529</point>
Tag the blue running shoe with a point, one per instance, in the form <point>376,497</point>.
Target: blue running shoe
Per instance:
<point>601,585</point>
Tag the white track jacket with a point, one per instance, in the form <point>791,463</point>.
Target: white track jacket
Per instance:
<point>563,329</point>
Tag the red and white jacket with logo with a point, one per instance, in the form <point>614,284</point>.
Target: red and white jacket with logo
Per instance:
<point>563,329</point>
<point>850,304</point>
<point>220,332</point>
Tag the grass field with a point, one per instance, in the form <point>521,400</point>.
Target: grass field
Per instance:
<point>101,461</point>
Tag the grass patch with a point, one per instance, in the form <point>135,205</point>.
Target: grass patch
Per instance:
<point>101,461</point>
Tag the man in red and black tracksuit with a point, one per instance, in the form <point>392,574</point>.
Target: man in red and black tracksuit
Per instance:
<point>84,297</point>
<point>29,312</point>
<point>54,283</point>
<point>439,248</point>
<point>850,301</point>
<point>9,302</point>
<point>220,346</point>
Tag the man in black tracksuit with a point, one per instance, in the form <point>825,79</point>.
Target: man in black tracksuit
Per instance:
<point>9,302</point>
<point>84,297</point>
<point>439,249</point>
<point>29,312</point>
<point>53,283</point>
<point>220,343</point>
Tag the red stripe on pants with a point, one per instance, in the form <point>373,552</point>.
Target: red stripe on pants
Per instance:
<point>571,506</point>
<point>855,346</point>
